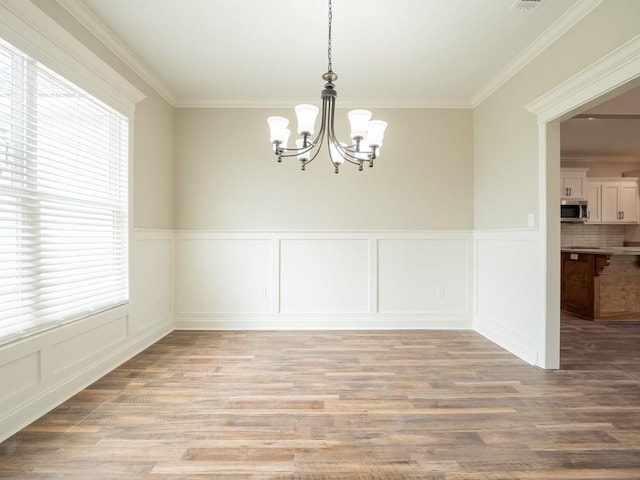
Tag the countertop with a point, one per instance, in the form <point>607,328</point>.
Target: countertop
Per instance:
<point>603,250</point>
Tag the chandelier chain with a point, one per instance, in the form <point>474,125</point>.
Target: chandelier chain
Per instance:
<point>329,38</point>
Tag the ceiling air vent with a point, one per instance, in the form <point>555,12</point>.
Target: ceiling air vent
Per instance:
<point>525,4</point>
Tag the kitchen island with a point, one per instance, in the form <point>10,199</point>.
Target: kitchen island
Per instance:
<point>601,283</point>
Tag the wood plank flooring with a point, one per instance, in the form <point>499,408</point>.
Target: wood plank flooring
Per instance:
<point>439,405</point>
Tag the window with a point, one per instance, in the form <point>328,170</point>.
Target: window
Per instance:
<point>63,199</point>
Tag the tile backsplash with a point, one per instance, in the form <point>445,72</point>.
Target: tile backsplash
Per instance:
<point>581,235</point>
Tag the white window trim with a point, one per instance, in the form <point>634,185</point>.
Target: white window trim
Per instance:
<point>31,30</point>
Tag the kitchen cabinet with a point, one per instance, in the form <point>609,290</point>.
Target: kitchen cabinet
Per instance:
<point>613,200</point>
<point>600,286</point>
<point>577,273</point>
<point>593,202</point>
<point>573,183</point>
<point>619,201</point>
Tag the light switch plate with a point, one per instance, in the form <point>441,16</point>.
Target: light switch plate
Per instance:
<point>531,220</point>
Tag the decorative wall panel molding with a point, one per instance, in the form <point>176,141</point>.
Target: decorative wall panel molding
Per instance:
<point>504,294</point>
<point>323,280</point>
<point>39,372</point>
<point>324,275</point>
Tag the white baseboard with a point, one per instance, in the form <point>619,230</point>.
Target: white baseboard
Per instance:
<point>508,339</point>
<point>325,322</point>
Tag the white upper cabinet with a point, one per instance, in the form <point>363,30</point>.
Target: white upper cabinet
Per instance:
<point>613,201</point>
<point>573,183</point>
<point>610,209</point>
<point>593,202</point>
<point>629,202</point>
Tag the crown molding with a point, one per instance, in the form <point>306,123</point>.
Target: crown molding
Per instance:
<point>596,158</point>
<point>539,45</point>
<point>431,104</point>
<point>615,69</point>
<point>88,19</point>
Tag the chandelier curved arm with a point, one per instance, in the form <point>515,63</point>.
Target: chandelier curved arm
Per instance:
<point>339,148</point>
<point>317,144</point>
<point>346,151</point>
<point>319,140</point>
<point>286,152</point>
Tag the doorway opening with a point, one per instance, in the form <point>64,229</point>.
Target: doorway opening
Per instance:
<point>614,74</point>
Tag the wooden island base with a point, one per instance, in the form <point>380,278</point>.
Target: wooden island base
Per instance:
<point>601,286</point>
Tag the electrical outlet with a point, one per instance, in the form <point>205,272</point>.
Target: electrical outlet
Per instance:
<point>439,291</point>
<point>531,220</point>
<point>262,293</point>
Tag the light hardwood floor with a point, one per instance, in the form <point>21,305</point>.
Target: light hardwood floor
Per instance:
<point>445,405</point>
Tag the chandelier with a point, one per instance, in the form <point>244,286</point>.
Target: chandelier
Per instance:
<point>366,134</point>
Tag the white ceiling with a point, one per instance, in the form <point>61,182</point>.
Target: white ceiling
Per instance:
<point>415,53</point>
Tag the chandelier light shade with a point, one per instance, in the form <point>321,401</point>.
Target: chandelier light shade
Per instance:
<point>366,135</point>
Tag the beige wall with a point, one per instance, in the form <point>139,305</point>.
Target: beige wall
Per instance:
<point>152,138</point>
<point>153,174</point>
<point>227,177</point>
<point>506,135</point>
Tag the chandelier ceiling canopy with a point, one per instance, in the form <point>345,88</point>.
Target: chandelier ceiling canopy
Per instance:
<point>366,134</point>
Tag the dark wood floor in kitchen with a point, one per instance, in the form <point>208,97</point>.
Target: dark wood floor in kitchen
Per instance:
<point>348,405</point>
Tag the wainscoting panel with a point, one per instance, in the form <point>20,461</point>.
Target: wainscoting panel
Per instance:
<point>88,345</point>
<point>19,374</point>
<point>509,309</point>
<point>323,280</point>
<point>223,275</point>
<point>39,372</point>
<point>424,276</point>
<point>321,276</point>
<point>151,292</point>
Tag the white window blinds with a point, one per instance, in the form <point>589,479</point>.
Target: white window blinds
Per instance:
<point>63,199</point>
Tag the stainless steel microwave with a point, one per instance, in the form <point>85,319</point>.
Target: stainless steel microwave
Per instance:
<point>573,211</point>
